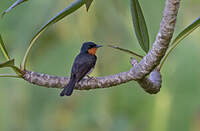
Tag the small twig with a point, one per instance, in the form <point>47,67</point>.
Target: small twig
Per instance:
<point>126,50</point>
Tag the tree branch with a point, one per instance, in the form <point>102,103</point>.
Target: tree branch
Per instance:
<point>138,72</point>
<point>163,38</point>
<point>151,85</point>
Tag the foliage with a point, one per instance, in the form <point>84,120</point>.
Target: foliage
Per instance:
<point>139,25</point>
<point>18,2</point>
<point>183,34</point>
<point>3,49</point>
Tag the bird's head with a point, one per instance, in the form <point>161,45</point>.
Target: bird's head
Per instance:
<point>90,47</point>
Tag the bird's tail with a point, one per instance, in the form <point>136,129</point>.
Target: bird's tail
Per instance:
<point>69,88</point>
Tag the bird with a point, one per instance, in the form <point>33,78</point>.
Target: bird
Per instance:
<point>82,66</point>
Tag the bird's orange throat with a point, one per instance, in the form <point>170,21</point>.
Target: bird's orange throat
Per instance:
<point>92,51</point>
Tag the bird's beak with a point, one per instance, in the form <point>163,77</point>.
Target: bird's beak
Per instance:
<point>97,46</point>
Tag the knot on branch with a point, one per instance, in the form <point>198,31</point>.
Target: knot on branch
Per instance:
<point>152,84</point>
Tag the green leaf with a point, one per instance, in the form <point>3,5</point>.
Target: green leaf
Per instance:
<point>3,49</point>
<point>18,2</point>
<point>88,4</point>
<point>126,51</point>
<point>139,25</point>
<point>188,30</point>
<point>8,63</point>
<point>65,12</point>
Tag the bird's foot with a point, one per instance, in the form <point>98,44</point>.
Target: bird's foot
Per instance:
<point>92,78</point>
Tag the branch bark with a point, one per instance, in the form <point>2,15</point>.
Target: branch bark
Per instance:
<point>151,85</point>
<point>138,72</point>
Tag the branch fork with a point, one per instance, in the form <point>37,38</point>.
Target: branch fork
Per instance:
<point>139,71</point>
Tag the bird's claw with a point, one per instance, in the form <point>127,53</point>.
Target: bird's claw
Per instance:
<point>92,78</point>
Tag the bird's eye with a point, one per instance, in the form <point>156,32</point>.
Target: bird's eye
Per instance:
<point>91,46</point>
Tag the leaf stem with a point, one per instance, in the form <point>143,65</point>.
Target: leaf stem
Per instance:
<point>23,65</point>
<point>68,10</point>
<point>126,50</point>
<point>10,75</point>
<point>3,49</point>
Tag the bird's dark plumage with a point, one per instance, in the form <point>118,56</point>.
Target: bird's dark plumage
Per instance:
<point>83,63</point>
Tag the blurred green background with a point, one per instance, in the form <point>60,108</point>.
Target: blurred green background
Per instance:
<point>26,107</point>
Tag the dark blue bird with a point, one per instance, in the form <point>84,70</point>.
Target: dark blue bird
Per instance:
<point>83,64</point>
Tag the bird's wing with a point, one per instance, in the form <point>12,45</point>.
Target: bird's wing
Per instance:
<point>82,65</point>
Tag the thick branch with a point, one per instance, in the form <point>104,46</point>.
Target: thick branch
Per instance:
<point>151,85</point>
<point>163,38</point>
<point>138,72</point>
